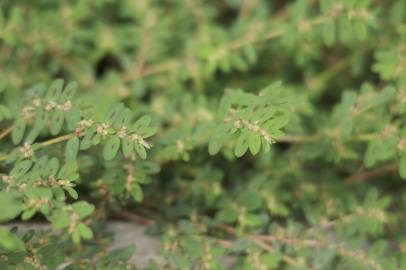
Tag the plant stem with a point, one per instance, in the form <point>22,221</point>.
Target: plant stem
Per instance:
<point>299,138</point>
<point>57,140</point>
<point>366,174</point>
<point>151,70</point>
<point>6,131</point>
<point>47,143</point>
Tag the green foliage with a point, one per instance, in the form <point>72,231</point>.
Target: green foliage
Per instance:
<point>247,134</point>
<point>256,119</point>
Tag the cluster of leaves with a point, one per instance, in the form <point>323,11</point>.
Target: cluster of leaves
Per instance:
<point>297,164</point>
<point>257,119</point>
<point>38,183</point>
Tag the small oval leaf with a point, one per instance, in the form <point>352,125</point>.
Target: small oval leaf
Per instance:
<point>69,171</point>
<point>21,168</point>
<point>54,90</point>
<point>51,168</point>
<point>32,135</point>
<point>123,119</point>
<point>140,151</point>
<point>69,92</point>
<point>18,131</point>
<point>72,148</point>
<point>127,147</point>
<point>87,139</point>
<point>111,148</point>
<point>56,124</point>
<point>114,113</point>
<point>254,143</point>
<point>72,118</point>
<point>242,145</point>
<point>142,123</point>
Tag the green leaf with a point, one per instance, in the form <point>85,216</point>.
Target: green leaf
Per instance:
<point>41,120</point>
<point>227,215</point>
<point>127,147</point>
<point>85,231</point>
<point>249,200</point>
<point>96,139</point>
<point>69,92</point>
<point>253,220</point>
<point>9,241</point>
<point>59,194</point>
<point>76,236</point>
<point>142,124</point>
<point>242,145</point>
<point>69,171</point>
<point>72,118</point>
<point>123,119</point>
<point>60,219</point>
<point>11,206</point>
<point>21,168</point>
<point>87,139</point>
<point>220,136</point>
<point>148,132</point>
<point>278,122</point>
<point>215,145</point>
<point>72,148</point>
<point>18,131</point>
<point>373,153</point>
<point>39,193</point>
<point>238,62</point>
<point>83,209</point>
<point>28,236</point>
<point>55,90</point>
<point>271,260</point>
<point>111,148</point>
<point>142,153</point>
<point>33,135</point>
<point>254,142</point>
<point>57,120</point>
<point>29,213</point>
<point>117,255</point>
<point>41,164</point>
<point>72,192</point>
<point>51,168</point>
<point>136,192</point>
<point>114,113</point>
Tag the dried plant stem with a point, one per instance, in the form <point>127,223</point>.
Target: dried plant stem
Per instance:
<point>365,174</point>
<point>5,132</point>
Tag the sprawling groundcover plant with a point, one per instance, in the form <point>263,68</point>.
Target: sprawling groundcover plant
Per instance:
<point>245,134</point>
